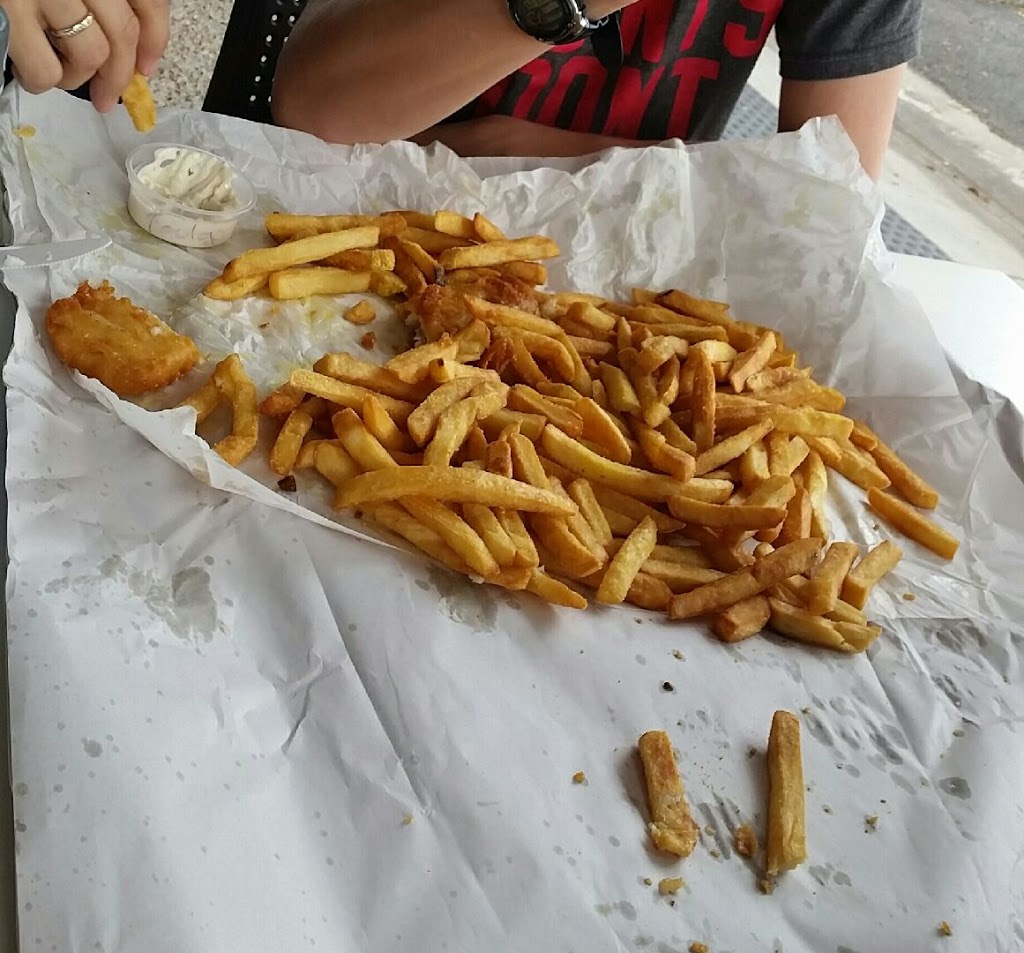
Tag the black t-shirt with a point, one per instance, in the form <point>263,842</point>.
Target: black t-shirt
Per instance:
<point>685,63</point>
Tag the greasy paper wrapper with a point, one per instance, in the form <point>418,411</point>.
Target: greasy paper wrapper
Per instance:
<point>222,716</point>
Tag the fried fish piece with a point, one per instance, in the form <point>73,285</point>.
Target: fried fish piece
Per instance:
<point>120,344</point>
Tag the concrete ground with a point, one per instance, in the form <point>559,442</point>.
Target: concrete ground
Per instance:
<point>955,179</point>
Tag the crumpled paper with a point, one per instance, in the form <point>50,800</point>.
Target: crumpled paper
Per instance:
<point>465,709</point>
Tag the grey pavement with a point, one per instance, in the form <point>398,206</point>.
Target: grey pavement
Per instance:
<point>197,28</point>
<point>974,50</point>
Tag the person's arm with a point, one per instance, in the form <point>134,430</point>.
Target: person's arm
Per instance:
<point>375,70</point>
<point>866,105</point>
<point>508,136</point>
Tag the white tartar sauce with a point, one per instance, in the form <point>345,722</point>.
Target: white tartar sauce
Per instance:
<point>192,178</point>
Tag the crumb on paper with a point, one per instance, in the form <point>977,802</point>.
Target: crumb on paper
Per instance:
<point>668,687</point>
<point>751,752</point>
<point>945,929</point>
<point>710,830</point>
<point>698,948</point>
<point>264,325</point>
<point>579,777</point>
<point>872,821</point>
<point>406,819</point>
<point>368,341</point>
<point>958,732</point>
<point>806,710</point>
<point>767,887</point>
<point>25,132</point>
<point>826,809</point>
<point>670,885</point>
<point>909,596</point>
<point>287,484</point>
<point>678,654</point>
<point>648,881</point>
<point>745,841</point>
<point>714,852</point>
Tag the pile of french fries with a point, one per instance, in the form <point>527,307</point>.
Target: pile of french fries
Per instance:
<point>655,451</point>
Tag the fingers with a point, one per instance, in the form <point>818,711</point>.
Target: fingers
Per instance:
<point>121,27</point>
<point>83,54</point>
<point>35,62</point>
<point>154,31</point>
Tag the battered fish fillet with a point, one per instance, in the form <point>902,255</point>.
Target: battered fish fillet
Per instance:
<point>121,345</point>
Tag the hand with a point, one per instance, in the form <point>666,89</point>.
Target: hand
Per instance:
<point>125,36</point>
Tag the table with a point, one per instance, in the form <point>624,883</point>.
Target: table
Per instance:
<point>996,333</point>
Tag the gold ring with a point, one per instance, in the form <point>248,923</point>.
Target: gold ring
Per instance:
<point>69,31</point>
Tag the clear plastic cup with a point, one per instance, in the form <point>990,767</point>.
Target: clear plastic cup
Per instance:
<point>175,221</point>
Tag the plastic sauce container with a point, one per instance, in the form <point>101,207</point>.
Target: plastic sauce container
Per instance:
<point>186,196</point>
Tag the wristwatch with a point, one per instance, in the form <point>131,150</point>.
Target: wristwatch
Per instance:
<point>553,21</point>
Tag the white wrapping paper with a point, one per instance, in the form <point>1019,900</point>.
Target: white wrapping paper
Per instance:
<point>222,713</point>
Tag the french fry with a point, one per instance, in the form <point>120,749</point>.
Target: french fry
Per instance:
<point>452,223</point>
<point>307,453</point>
<point>672,828</point>
<point>816,484</point>
<point>723,516</point>
<point>714,312</point>
<point>822,592</point>
<point>583,462</point>
<point>378,421</point>
<point>797,524</point>
<point>904,481</point>
<point>138,101</point>
<point>235,386</point>
<point>345,394</point>
<point>261,261</point>
<point>751,361</point>
<point>289,441</point>
<point>283,227</point>
<point>526,550</point>
<point>627,562</point>
<point>363,259</point>
<point>485,230</point>
<point>498,252</point>
<point>865,575</point>
<point>205,400</point>
<point>498,457</point>
<point>844,459</point>
<point>450,485</point>
<point>913,524</point>
<point>791,420</point>
<point>222,290</point>
<point>367,451</point>
<point>395,518</point>
<point>529,424</point>
<point>455,423</point>
<point>786,844</point>
<point>553,591</point>
<point>455,531</point>
<point>662,455</point>
<point>621,395</point>
<point>647,592</point>
<point>353,370</point>
<point>732,447</point>
<point>775,377</point>
<point>414,365</point>
<point>796,623</point>
<point>500,545</point>
<point>742,620</point>
<point>863,436</point>
<point>703,400</point>
<point>678,576</point>
<point>360,313</point>
<point>528,401</point>
<point>292,283</point>
<point>334,462</point>
<point>434,243</point>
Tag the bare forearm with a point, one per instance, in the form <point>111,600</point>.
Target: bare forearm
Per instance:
<point>375,70</point>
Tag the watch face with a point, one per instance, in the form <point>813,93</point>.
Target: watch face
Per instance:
<point>544,17</point>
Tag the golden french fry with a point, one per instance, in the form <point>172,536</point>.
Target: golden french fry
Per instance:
<point>913,524</point>
<point>363,259</point>
<point>485,230</point>
<point>360,313</point>
<point>797,524</point>
<point>455,423</point>
<point>414,365</point>
<point>294,283</point>
<point>905,481</point>
<point>732,447</point>
<point>450,485</point>
<point>235,386</point>
<point>714,312</point>
<point>656,351</point>
<point>530,272</point>
<point>647,592</point>
<point>582,494</point>
<point>863,436</point>
<point>345,394</point>
<point>859,636</point>
<point>527,400</point>
<point>138,101</point>
<point>204,401</point>
<point>599,470</point>
<point>796,623</point>
<point>553,591</point>
<point>260,261</point>
<point>526,550</point>
<point>362,446</point>
<point>775,377</point>
<point>455,531</point>
<point>621,395</point>
<point>661,454</point>
<point>378,421</point>
<point>751,361</point>
<point>353,370</point>
<point>844,459</point>
<point>488,526</point>
<point>702,400</point>
<point>872,567</point>
<point>627,562</point>
<point>222,290</point>
<point>434,243</point>
<point>742,620</point>
<point>786,844</point>
<point>395,518</point>
<point>600,427</point>
<point>452,223</point>
<point>531,425</point>
<point>720,515</point>
<point>822,592</point>
<point>499,252</point>
<point>672,827</point>
<point>289,441</point>
<point>678,576</point>
<point>334,462</point>
<point>284,227</point>
<point>816,484</point>
<point>498,457</point>
<point>792,420</point>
